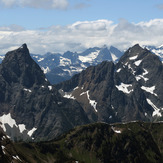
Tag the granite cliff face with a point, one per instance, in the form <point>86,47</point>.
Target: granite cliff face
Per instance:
<point>127,91</point>
<point>30,107</point>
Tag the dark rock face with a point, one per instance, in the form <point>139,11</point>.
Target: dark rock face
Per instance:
<point>27,95</point>
<point>127,91</point>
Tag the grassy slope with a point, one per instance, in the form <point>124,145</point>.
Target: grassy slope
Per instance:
<point>137,142</point>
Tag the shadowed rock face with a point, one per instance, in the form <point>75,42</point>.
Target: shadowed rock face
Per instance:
<point>127,91</point>
<point>26,94</point>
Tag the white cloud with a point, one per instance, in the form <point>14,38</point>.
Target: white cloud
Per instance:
<point>82,35</point>
<point>47,4</point>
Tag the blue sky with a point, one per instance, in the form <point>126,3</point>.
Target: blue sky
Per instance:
<point>80,10</point>
<point>31,21</point>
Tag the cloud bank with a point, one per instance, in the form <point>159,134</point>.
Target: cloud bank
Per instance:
<point>81,35</point>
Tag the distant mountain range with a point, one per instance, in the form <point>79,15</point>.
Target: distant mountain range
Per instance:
<point>96,116</point>
<point>60,67</point>
<point>32,108</point>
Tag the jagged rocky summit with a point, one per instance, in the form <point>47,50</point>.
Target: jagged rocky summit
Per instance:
<point>30,107</point>
<point>130,90</point>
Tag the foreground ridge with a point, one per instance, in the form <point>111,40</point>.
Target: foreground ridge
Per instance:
<point>98,142</point>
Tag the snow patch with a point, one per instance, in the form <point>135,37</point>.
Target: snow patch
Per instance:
<point>92,102</point>
<point>16,158</point>
<point>35,56</point>
<point>64,61</point>
<point>90,57</point>
<point>116,131</point>
<point>114,57</point>
<point>3,138</point>
<point>30,132</point>
<point>45,70</point>
<point>149,89</point>
<point>112,107</point>
<point>7,119</point>
<point>83,93</point>
<point>126,64</point>
<point>138,77</point>
<point>132,70</point>
<point>69,95</point>
<point>137,63</point>
<point>41,59</point>
<point>76,88</point>
<point>124,88</point>
<point>27,90</point>
<point>119,70</point>
<point>22,128</point>
<point>133,58</point>
<point>50,87</point>
<point>145,72</point>
<point>158,52</point>
<point>3,149</point>
<point>156,110</point>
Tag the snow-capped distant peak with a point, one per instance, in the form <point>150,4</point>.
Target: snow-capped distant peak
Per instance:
<point>114,57</point>
<point>90,57</point>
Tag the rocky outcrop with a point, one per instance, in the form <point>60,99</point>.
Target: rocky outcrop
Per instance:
<point>127,91</point>
<point>29,104</point>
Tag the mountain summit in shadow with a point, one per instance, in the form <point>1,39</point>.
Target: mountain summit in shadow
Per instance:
<point>30,107</point>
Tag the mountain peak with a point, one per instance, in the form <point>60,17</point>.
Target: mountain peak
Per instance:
<point>135,48</point>
<point>22,51</point>
<point>24,46</point>
<point>18,65</point>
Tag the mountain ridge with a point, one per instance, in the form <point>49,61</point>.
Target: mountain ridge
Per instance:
<point>30,106</point>
<point>129,90</point>
<point>98,142</point>
<point>108,92</point>
<point>60,67</point>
